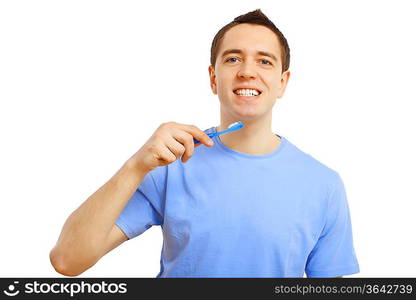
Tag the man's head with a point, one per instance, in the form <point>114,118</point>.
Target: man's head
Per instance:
<point>249,52</point>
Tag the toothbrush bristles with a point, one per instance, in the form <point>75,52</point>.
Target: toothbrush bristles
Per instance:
<point>235,123</point>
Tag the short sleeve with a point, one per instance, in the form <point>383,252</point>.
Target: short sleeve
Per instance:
<point>333,254</point>
<point>143,210</point>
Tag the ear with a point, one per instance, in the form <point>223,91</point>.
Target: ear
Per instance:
<point>212,79</point>
<point>283,83</point>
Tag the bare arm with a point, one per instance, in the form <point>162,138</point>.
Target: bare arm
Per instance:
<point>90,231</point>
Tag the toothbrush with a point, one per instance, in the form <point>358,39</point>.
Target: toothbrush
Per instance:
<point>233,127</point>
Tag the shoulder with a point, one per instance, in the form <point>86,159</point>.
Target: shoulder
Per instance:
<point>311,168</point>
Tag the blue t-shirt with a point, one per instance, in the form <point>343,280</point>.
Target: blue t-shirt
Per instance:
<point>225,213</point>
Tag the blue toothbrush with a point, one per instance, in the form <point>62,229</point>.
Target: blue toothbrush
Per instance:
<point>233,127</point>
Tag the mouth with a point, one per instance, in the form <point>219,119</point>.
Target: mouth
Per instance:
<point>247,94</point>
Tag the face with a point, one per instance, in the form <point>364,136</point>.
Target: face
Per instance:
<point>247,75</point>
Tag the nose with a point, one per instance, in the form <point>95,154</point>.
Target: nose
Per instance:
<point>246,71</point>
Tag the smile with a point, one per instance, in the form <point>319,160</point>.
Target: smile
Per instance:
<point>247,92</point>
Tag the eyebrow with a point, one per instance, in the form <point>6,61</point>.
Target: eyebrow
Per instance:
<point>264,53</point>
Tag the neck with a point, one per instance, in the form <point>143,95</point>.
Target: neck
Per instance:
<point>256,137</point>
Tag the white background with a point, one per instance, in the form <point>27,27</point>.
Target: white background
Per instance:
<point>83,84</point>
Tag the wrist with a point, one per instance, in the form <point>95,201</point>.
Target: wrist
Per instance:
<point>136,168</point>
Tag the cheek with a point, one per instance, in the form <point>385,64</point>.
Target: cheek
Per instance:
<point>274,85</point>
<point>223,83</point>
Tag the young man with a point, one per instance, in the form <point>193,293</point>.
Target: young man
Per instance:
<point>250,204</point>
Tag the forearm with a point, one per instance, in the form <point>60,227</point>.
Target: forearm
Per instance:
<point>86,229</point>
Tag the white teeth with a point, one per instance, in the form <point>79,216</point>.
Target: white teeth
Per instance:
<point>247,92</point>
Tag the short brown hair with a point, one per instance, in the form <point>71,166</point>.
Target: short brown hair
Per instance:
<point>253,17</point>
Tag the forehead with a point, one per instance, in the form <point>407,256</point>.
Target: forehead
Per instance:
<point>250,38</point>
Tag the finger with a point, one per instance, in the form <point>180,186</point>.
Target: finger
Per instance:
<point>198,134</point>
<point>175,147</point>
<point>187,140</point>
<point>165,156</point>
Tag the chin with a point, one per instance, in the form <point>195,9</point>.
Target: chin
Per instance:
<point>241,110</point>
<point>244,114</point>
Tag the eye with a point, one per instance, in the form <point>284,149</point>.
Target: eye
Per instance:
<point>266,62</point>
<point>232,59</point>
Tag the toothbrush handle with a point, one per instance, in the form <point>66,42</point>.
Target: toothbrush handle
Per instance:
<point>211,135</point>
